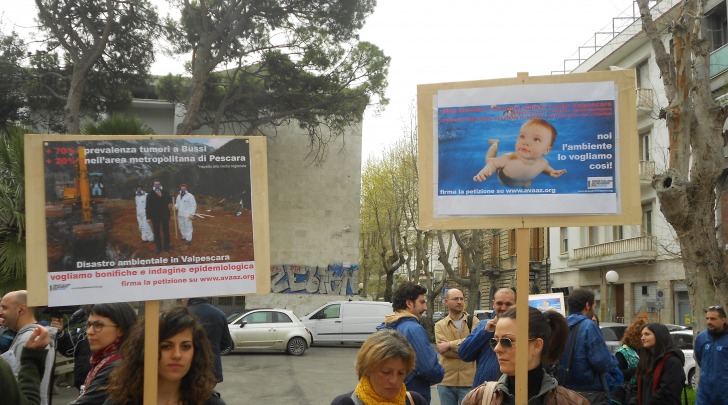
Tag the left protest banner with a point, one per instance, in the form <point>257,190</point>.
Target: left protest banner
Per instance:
<point>102,213</point>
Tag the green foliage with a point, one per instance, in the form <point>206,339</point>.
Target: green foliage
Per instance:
<point>12,53</point>
<point>118,124</point>
<point>258,64</point>
<point>97,52</point>
<point>12,211</point>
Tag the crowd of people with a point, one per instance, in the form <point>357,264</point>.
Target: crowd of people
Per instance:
<point>568,359</point>
<point>472,362</point>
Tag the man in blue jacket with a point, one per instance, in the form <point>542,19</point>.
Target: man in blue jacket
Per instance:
<point>591,358</point>
<point>475,347</point>
<point>711,347</point>
<point>408,302</point>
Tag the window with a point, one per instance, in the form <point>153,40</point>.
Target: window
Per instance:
<point>259,317</point>
<point>512,242</point>
<point>647,220</point>
<point>593,235</point>
<point>717,22</point>
<point>564,239</point>
<point>643,75</point>
<point>645,146</point>
<point>282,318</point>
<point>332,311</point>
<point>617,232</point>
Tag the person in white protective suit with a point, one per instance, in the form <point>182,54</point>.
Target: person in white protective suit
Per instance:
<point>141,213</point>
<point>186,206</point>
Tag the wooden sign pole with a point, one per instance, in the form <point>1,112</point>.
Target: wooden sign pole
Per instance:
<point>522,281</point>
<point>151,351</point>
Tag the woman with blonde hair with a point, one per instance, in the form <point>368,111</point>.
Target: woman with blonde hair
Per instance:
<point>547,335</point>
<point>383,362</point>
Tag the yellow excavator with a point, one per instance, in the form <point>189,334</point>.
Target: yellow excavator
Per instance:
<point>89,238</point>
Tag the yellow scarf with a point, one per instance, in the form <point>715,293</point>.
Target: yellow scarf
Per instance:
<point>366,394</point>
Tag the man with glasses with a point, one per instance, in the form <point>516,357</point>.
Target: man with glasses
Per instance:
<point>18,316</point>
<point>408,302</point>
<point>450,331</point>
<point>711,349</point>
<point>475,347</point>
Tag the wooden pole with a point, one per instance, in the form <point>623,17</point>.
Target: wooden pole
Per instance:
<point>522,272</point>
<point>151,350</point>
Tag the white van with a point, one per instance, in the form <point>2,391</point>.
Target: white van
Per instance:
<point>346,321</point>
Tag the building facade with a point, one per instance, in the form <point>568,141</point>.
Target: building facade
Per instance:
<point>646,257</point>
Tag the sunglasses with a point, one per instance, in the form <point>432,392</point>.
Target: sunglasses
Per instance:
<point>507,343</point>
<point>715,308</point>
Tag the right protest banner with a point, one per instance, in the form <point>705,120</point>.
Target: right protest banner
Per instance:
<point>529,151</point>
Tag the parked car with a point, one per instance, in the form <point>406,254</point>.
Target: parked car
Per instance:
<point>671,327</point>
<point>269,329</point>
<point>484,314</point>
<point>612,333</point>
<point>346,321</point>
<point>436,316</point>
<point>684,341</point>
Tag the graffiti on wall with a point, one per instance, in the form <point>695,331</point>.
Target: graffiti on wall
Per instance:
<point>335,279</point>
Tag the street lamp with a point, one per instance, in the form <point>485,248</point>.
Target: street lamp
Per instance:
<point>612,277</point>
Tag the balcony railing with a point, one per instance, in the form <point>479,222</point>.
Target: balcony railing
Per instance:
<point>645,100</point>
<point>719,60</point>
<point>619,251</point>
<point>647,170</point>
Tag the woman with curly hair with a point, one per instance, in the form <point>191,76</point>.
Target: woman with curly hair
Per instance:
<point>185,369</point>
<point>627,354</point>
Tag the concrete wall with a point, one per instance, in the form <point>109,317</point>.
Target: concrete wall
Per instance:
<point>314,208</point>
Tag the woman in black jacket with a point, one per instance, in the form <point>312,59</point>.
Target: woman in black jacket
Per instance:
<point>660,374</point>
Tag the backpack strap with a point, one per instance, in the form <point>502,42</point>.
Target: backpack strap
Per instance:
<point>572,335</point>
<point>469,320</point>
<point>409,399</point>
<point>658,371</point>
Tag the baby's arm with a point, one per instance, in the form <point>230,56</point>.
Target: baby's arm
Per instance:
<point>553,172</point>
<point>491,166</point>
<point>485,172</point>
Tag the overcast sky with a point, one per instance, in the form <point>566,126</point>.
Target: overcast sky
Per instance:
<point>434,41</point>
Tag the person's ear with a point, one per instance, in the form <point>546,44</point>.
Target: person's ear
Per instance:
<point>410,304</point>
<point>538,346</point>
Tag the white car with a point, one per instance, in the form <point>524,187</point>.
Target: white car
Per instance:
<point>684,341</point>
<point>269,329</point>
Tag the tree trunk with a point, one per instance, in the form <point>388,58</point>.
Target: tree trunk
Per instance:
<point>687,191</point>
<point>73,102</point>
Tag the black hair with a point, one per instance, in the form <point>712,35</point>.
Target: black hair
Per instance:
<point>406,291</point>
<point>663,344</point>
<point>718,309</point>
<point>121,313</point>
<point>549,326</point>
<point>578,299</point>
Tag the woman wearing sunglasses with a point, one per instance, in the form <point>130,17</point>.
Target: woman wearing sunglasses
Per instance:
<point>547,333</point>
<point>107,327</point>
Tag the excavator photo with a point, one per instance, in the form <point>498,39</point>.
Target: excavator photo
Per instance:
<point>88,238</point>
